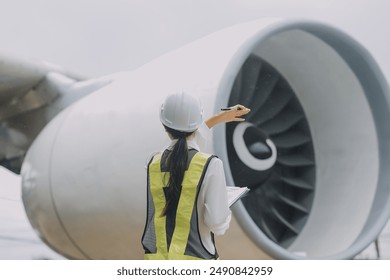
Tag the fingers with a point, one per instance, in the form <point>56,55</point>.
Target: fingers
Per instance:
<point>237,107</point>
<point>233,113</point>
<point>240,107</point>
<point>241,110</point>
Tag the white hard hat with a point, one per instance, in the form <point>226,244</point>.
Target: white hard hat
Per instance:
<point>182,112</point>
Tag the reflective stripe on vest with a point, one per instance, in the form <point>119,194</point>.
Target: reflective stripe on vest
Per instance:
<point>192,181</point>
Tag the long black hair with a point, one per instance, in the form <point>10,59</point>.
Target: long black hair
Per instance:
<point>176,164</point>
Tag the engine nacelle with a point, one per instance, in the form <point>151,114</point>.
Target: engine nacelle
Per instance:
<point>314,150</point>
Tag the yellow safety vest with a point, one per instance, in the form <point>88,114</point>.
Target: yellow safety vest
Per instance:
<point>182,239</point>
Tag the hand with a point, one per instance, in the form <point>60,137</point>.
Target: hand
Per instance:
<point>233,114</point>
<point>226,116</point>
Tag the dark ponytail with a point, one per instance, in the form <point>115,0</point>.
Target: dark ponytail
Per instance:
<point>177,164</point>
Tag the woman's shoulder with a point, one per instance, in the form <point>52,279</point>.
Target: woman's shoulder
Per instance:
<point>150,158</point>
<point>209,156</point>
<point>213,161</point>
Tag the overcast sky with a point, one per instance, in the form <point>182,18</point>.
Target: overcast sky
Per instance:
<point>98,37</point>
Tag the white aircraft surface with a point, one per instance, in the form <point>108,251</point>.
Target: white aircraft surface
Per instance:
<point>315,149</point>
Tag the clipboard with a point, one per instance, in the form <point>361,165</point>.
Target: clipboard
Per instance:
<point>235,194</point>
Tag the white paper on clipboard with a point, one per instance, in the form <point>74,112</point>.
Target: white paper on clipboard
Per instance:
<point>235,193</point>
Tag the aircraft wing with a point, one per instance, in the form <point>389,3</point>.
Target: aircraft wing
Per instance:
<point>28,94</point>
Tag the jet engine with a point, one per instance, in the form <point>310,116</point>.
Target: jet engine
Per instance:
<point>314,150</point>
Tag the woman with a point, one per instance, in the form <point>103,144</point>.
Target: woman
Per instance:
<point>187,199</point>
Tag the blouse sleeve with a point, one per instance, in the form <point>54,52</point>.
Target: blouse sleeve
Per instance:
<point>201,135</point>
<point>217,214</point>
